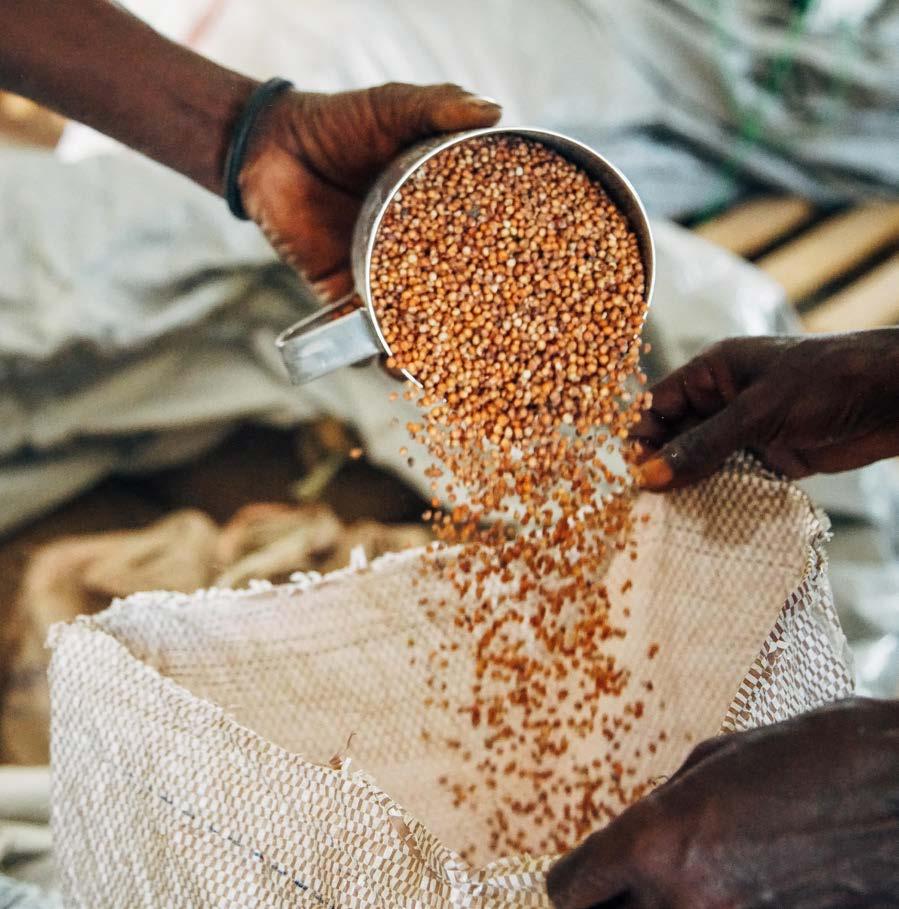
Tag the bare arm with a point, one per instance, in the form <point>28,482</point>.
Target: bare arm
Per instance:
<point>311,156</point>
<point>93,62</point>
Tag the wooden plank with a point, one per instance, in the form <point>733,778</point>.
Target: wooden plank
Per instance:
<point>870,302</point>
<point>753,225</point>
<point>823,253</point>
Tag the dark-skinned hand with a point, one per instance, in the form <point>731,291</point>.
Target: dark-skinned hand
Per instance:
<point>800,815</point>
<point>816,404</point>
<point>312,157</point>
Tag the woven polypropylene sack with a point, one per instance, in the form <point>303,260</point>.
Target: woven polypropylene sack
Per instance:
<point>192,736</point>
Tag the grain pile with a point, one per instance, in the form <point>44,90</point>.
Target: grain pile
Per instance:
<point>512,288</point>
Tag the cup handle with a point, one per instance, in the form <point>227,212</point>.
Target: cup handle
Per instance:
<point>321,343</point>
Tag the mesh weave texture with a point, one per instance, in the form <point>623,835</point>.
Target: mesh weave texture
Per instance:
<point>192,735</point>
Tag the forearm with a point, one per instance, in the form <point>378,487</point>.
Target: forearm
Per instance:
<point>95,63</point>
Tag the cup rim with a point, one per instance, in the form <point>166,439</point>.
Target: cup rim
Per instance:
<point>432,147</point>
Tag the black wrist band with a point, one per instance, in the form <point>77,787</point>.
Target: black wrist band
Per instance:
<point>240,138</point>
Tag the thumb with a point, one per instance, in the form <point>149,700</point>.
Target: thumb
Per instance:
<point>594,873</point>
<point>414,112</point>
<point>700,451</point>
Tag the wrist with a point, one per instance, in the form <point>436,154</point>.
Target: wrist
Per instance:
<point>207,115</point>
<point>241,136</point>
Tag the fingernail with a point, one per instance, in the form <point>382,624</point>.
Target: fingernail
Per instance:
<point>654,474</point>
<point>485,102</point>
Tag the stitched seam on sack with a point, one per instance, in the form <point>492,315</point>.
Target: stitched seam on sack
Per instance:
<point>444,861</point>
<point>206,826</point>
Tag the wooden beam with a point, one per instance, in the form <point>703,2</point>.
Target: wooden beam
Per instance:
<point>870,302</point>
<point>747,228</point>
<point>831,248</point>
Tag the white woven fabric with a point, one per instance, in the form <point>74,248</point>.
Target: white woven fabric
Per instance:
<point>193,735</point>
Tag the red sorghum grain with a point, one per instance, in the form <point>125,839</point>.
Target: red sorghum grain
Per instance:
<point>512,288</point>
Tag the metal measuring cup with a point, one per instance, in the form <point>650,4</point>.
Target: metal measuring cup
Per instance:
<point>337,336</point>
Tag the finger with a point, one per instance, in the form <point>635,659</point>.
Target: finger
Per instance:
<point>651,429</point>
<point>848,455</point>
<point>702,386</point>
<point>716,376</point>
<point>655,433</point>
<point>414,111</point>
<point>596,872</point>
<point>334,285</point>
<point>703,750</point>
<point>470,112</point>
<point>698,452</point>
